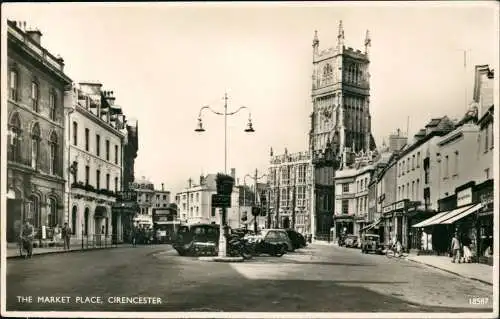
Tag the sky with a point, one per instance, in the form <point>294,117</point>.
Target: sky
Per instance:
<point>165,61</point>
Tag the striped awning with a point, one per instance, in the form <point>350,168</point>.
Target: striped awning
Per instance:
<point>443,216</point>
<point>461,215</point>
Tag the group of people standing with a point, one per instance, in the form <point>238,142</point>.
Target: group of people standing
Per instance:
<point>460,249</point>
<point>27,235</point>
<point>141,234</point>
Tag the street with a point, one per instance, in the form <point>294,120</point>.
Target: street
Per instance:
<point>318,278</point>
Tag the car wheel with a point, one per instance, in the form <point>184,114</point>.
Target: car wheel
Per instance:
<point>280,250</point>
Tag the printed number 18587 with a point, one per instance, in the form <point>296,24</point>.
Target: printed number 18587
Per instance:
<point>478,300</point>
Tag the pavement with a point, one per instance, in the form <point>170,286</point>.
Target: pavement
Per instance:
<point>318,278</point>
<point>474,271</point>
<point>75,245</point>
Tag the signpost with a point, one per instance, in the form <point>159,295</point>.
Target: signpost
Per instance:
<point>221,201</point>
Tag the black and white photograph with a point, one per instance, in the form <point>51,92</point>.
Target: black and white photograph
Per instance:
<point>249,159</point>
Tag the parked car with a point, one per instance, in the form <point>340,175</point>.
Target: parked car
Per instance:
<point>351,241</point>
<point>371,243</point>
<point>197,239</point>
<point>298,241</point>
<point>277,236</point>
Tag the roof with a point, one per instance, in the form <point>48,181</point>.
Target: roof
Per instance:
<point>433,122</point>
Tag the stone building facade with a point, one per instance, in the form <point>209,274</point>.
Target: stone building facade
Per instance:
<point>94,161</point>
<point>36,84</point>
<point>290,191</point>
<point>340,120</point>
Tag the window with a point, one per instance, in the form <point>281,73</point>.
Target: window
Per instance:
<point>362,185</point>
<point>75,133</point>
<point>197,197</point>
<point>52,212</point>
<point>399,192</point>
<point>345,188</point>
<point>87,139</point>
<point>116,184</point>
<point>13,85</point>
<point>357,204</point>
<point>35,145</point>
<point>98,145</point>
<point>34,96</point>
<point>456,163</point>
<point>87,174</point>
<point>33,211</point>
<point>107,181</point>
<point>302,174</point>
<point>285,175</point>
<point>418,159</point>
<point>116,154</point>
<point>402,192</point>
<point>15,138</point>
<point>164,197</point>
<point>158,197</point>
<point>412,190</point>
<point>487,173</point>
<point>486,136</point>
<point>446,166</point>
<point>52,105</point>
<point>408,190</point>
<point>413,162</point>
<point>403,168</point>
<point>408,165</point>
<point>418,190</point>
<point>357,186</point>
<point>53,154</point>
<point>492,138</point>
<point>97,179</point>
<point>73,220</point>
<point>107,150</point>
<point>345,206</point>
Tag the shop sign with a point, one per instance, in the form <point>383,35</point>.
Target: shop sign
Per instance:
<point>400,205</point>
<point>464,197</point>
<point>387,209</point>
<point>486,199</point>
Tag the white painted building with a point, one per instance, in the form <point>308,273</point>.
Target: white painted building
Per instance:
<point>351,196</point>
<point>195,203</point>
<point>93,160</point>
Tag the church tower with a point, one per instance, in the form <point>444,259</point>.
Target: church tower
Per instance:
<point>340,119</point>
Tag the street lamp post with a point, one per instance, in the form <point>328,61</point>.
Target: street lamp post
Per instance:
<point>255,179</point>
<point>249,129</point>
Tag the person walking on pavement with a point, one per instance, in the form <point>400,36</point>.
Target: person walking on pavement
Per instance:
<point>66,235</point>
<point>455,248</point>
<point>27,235</point>
<point>467,253</point>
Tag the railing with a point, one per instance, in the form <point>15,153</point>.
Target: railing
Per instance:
<point>98,241</point>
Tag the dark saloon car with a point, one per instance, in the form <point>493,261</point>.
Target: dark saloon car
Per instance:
<point>197,240</point>
<point>298,241</point>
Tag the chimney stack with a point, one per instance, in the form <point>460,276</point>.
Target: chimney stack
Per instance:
<point>35,35</point>
<point>162,187</point>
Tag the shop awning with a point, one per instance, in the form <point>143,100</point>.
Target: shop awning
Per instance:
<point>437,219</point>
<point>461,215</point>
<point>371,225</point>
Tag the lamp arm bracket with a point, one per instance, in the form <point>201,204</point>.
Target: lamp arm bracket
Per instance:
<point>241,108</point>
<point>211,110</point>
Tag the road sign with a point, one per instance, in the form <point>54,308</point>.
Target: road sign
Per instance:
<point>221,201</point>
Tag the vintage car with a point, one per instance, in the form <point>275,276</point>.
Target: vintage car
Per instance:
<point>371,243</point>
<point>351,241</point>
<point>197,240</point>
<point>277,236</point>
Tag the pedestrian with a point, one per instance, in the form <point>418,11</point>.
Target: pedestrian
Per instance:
<point>134,235</point>
<point>467,253</point>
<point>66,235</point>
<point>27,235</point>
<point>455,248</point>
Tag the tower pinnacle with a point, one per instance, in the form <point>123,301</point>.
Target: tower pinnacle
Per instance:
<point>340,36</point>
<point>368,42</point>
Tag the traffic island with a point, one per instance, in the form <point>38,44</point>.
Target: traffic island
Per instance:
<point>222,259</point>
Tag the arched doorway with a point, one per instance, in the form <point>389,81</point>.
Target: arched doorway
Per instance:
<point>33,211</point>
<point>14,215</point>
<point>286,222</point>
<point>86,222</point>
<point>52,212</point>
<point>74,213</point>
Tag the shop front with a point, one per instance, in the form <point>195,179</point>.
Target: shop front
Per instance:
<point>343,225</point>
<point>387,221</point>
<point>467,213</point>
